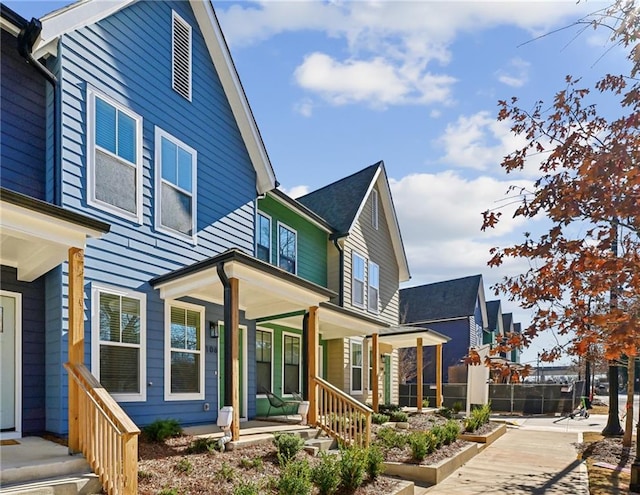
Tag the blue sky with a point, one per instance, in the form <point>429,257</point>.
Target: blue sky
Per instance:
<point>336,86</point>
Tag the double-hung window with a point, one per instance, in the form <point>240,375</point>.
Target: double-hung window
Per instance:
<point>287,248</point>
<point>176,171</point>
<point>114,152</point>
<point>264,358</point>
<point>118,333</point>
<point>356,365</point>
<point>184,354</point>
<point>291,362</point>
<point>358,275</point>
<point>373,294</point>
<point>263,237</point>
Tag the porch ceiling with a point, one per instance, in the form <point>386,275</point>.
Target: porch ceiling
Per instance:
<point>35,236</point>
<point>264,289</point>
<point>403,337</point>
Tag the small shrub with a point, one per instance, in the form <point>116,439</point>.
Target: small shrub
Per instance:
<point>246,488</point>
<point>375,462</point>
<point>169,491</point>
<point>425,402</point>
<point>457,406</point>
<point>256,463</point>
<point>439,434</point>
<point>389,438</point>
<point>479,416</point>
<point>161,429</point>
<point>201,445</point>
<point>353,466</point>
<point>184,466</point>
<point>144,475</point>
<point>295,478</point>
<point>326,474</point>
<point>288,445</point>
<point>379,418</point>
<point>451,431</point>
<point>422,444</point>
<point>399,417</point>
<point>445,412</point>
<point>226,472</point>
<point>388,408</point>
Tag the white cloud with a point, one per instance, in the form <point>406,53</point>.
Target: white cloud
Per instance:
<point>304,107</point>
<point>516,75</point>
<point>295,191</point>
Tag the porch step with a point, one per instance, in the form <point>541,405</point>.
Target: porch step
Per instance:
<point>265,437</point>
<point>85,484</point>
<point>315,445</point>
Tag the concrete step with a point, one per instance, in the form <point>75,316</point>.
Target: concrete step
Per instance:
<point>322,443</point>
<point>82,484</point>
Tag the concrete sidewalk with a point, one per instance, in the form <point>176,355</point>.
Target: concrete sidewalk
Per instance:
<point>522,462</point>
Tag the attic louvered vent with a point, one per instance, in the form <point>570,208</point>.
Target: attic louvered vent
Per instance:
<point>181,59</point>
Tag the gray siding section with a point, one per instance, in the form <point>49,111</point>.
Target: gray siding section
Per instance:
<point>22,133</point>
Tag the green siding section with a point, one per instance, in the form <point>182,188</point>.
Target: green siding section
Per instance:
<point>312,241</point>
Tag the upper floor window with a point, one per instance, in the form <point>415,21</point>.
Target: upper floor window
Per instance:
<point>356,365</point>
<point>374,209</point>
<point>181,56</point>
<point>357,286</point>
<point>373,294</point>
<point>184,355</point>
<point>263,237</point>
<point>118,333</point>
<point>175,184</point>
<point>287,248</point>
<point>114,157</point>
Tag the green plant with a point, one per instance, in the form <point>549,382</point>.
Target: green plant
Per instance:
<point>451,431</point>
<point>353,466</point>
<point>226,472</point>
<point>445,412</point>
<point>201,445</point>
<point>479,416</point>
<point>295,478</point>
<point>422,443</point>
<point>379,418</point>
<point>389,438</point>
<point>326,474</point>
<point>425,402</point>
<point>399,417</point>
<point>144,475</point>
<point>375,462</point>
<point>184,466</point>
<point>439,434</point>
<point>246,488</point>
<point>161,429</point>
<point>388,408</point>
<point>169,491</point>
<point>457,406</point>
<point>256,463</point>
<point>288,445</point>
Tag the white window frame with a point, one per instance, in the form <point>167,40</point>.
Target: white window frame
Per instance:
<point>374,209</point>
<point>96,290</point>
<point>370,286</point>
<point>267,330</point>
<point>159,134</point>
<point>352,342</point>
<point>299,337</point>
<point>295,232</point>
<point>268,217</point>
<point>177,17</point>
<point>92,94</point>
<point>168,395</point>
<point>355,255</point>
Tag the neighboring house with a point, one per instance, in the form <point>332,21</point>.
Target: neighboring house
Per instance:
<point>515,353</point>
<point>455,308</point>
<point>366,263</point>
<point>494,331</point>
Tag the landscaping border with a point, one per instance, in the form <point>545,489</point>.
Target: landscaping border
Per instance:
<point>486,439</point>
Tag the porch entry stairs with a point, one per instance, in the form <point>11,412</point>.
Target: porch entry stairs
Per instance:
<point>341,416</point>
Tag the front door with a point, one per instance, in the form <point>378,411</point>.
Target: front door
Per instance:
<point>242,357</point>
<point>387,379</point>
<point>10,363</point>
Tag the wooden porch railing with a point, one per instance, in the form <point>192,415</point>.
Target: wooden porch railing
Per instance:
<point>108,437</point>
<point>341,416</point>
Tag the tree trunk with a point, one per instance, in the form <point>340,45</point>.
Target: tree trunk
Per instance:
<point>628,425</point>
<point>613,428</point>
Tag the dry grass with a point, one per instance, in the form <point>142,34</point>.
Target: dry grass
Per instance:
<point>604,481</point>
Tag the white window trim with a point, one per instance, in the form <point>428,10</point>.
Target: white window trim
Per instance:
<point>168,396</point>
<point>284,225</point>
<point>299,337</point>
<point>355,255</point>
<point>375,209</point>
<point>159,134</point>
<point>96,290</point>
<point>259,212</point>
<point>91,157</point>
<point>17,360</point>
<point>269,330</point>
<point>175,16</point>
<point>359,342</point>
<point>375,310</point>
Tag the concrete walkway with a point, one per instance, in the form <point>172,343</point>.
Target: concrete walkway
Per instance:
<point>522,462</point>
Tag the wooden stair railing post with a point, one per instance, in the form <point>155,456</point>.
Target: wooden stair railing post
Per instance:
<point>76,341</point>
<point>130,463</point>
<point>235,359</point>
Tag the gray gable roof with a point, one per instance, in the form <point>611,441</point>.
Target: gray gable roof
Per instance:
<point>338,202</point>
<point>441,300</point>
<point>507,320</point>
<point>493,308</point>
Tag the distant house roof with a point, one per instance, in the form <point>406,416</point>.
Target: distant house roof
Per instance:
<point>340,204</point>
<point>449,299</point>
<point>507,321</point>
<point>85,12</point>
<point>493,310</point>
<point>517,327</point>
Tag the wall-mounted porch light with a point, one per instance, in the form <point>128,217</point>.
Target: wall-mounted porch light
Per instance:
<point>213,329</point>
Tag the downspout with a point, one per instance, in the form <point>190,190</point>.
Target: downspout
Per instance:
<point>335,238</point>
<point>228,392</point>
<point>26,39</point>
